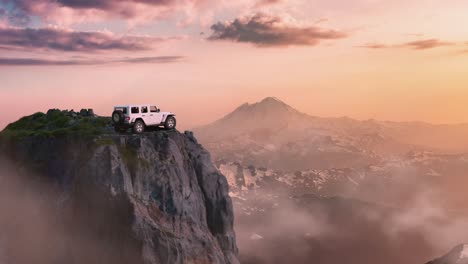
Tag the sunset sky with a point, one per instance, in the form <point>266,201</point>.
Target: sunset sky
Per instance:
<point>389,60</point>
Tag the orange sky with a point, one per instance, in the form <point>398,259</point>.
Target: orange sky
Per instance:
<point>360,58</point>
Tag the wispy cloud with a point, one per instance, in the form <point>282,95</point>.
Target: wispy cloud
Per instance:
<point>261,3</point>
<point>266,30</point>
<point>374,45</point>
<point>71,41</point>
<point>71,62</point>
<point>427,44</point>
<point>415,45</point>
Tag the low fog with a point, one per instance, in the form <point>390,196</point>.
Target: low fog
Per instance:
<point>41,224</point>
<point>364,228</point>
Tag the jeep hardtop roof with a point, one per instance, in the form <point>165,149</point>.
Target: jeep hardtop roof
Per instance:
<point>134,105</point>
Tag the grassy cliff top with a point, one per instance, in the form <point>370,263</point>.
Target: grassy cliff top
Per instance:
<point>56,123</point>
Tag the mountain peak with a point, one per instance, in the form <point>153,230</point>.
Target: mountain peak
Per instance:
<point>271,99</point>
<point>269,113</point>
<point>269,107</point>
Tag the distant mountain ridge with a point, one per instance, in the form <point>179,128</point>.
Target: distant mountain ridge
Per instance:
<point>271,125</point>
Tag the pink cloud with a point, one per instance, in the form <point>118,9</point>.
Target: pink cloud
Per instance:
<point>416,45</point>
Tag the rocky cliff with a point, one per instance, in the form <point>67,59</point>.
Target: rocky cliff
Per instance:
<point>152,198</point>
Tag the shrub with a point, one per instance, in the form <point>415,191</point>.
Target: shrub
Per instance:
<point>55,123</point>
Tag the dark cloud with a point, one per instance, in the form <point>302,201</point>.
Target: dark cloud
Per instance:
<point>416,45</point>
<point>127,9</point>
<point>48,62</point>
<point>71,41</point>
<point>110,4</point>
<point>265,30</point>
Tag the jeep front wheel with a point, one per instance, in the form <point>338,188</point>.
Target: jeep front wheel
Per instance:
<point>139,127</point>
<point>170,123</point>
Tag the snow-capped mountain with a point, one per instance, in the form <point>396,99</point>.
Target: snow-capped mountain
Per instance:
<point>270,143</point>
<point>272,134</point>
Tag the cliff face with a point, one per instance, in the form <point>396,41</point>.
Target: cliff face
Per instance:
<point>152,198</point>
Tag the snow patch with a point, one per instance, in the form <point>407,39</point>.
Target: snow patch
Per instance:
<point>256,237</point>
<point>433,173</point>
<point>463,253</point>
<point>353,181</point>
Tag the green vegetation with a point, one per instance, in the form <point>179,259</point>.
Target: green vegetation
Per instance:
<point>55,123</point>
<point>131,159</point>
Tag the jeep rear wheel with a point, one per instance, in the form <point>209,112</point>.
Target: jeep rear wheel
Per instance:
<point>139,127</point>
<point>117,117</point>
<point>170,123</point>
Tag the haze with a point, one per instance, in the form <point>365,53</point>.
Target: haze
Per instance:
<point>386,60</point>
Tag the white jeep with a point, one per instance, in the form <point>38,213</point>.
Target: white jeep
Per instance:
<point>138,117</point>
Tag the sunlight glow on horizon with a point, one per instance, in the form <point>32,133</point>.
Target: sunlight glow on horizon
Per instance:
<point>394,80</point>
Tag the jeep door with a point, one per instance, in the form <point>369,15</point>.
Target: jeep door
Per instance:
<point>146,115</point>
<point>155,115</point>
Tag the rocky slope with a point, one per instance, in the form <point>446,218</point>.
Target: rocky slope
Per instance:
<point>458,255</point>
<point>154,198</point>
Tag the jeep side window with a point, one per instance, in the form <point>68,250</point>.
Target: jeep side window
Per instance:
<point>153,109</point>
<point>135,110</point>
<point>144,109</point>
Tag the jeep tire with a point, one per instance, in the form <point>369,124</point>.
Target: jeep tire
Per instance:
<point>117,117</point>
<point>170,123</point>
<point>138,127</point>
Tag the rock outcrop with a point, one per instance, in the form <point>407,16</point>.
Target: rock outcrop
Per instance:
<point>155,198</point>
